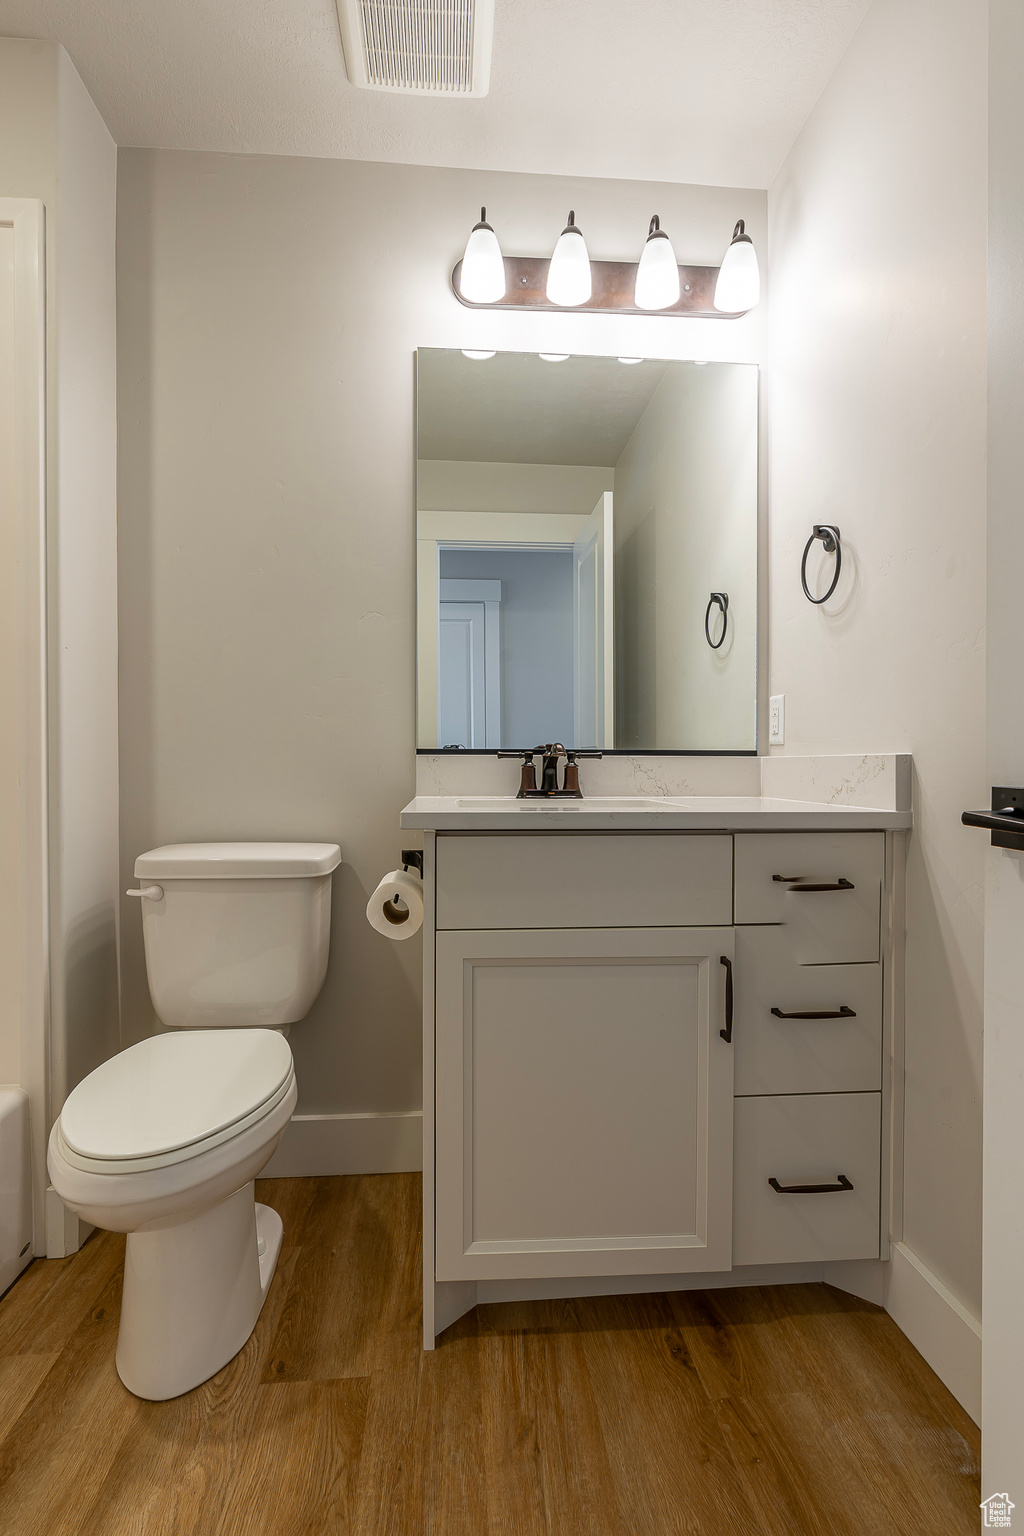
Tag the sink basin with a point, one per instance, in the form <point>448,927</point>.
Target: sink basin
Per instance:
<point>588,803</point>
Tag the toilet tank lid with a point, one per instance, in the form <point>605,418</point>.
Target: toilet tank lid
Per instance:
<point>237,861</point>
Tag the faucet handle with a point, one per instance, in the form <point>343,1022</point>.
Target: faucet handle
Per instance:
<point>528,776</point>
<point>572,772</point>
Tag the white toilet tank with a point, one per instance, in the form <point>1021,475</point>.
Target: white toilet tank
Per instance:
<point>236,933</point>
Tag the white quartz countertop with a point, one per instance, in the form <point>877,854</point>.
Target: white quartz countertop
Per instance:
<point>635,813</point>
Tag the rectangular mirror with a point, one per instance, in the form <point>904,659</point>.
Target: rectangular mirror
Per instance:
<point>586,553</point>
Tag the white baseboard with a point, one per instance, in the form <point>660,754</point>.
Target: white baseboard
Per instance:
<point>937,1325</point>
<point>320,1145</point>
<point>65,1231</point>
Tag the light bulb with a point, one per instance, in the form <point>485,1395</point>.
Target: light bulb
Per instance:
<point>739,282</point>
<point>477,357</point>
<point>657,276</point>
<point>630,359</point>
<point>553,357</point>
<point>569,282</point>
<point>482,279</point>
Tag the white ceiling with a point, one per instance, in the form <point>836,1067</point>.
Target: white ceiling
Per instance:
<point>707,91</point>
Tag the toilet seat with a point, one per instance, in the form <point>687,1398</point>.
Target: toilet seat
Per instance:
<point>173,1097</point>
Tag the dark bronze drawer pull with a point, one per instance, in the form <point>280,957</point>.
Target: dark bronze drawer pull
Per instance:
<point>726,1033</point>
<point>811,1189</point>
<point>842,1013</point>
<point>794,883</point>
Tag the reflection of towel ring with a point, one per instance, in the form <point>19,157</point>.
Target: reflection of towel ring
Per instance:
<point>828,533</point>
<point>722,599</point>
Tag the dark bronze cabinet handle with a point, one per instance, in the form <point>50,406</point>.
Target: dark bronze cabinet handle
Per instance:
<point>811,1189</point>
<point>841,1013</point>
<point>726,1033</point>
<point>795,885</point>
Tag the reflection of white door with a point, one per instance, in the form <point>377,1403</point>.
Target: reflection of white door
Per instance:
<point>593,630</point>
<point>468,664</point>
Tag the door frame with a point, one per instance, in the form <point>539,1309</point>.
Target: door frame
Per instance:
<point>26,217</point>
<point>434,530</point>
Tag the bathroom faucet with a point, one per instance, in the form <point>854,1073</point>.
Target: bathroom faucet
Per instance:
<point>550,753</point>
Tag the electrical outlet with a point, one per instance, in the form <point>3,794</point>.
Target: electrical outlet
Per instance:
<point>777,719</point>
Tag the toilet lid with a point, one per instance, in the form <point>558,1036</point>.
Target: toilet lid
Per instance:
<point>174,1090</point>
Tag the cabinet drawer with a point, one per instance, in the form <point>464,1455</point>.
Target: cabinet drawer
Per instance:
<point>779,876</point>
<point>792,1055</point>
<point>611,880</point>
<point>806,1139</point>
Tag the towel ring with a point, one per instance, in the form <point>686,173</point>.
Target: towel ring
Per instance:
<point>722,600</point>
<point>828,533</point>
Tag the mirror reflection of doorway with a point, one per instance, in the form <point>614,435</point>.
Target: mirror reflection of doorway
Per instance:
<point>468,663</point>
<point>507,641</point>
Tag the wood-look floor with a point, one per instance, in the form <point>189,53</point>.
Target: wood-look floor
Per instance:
<point>782,1411</point>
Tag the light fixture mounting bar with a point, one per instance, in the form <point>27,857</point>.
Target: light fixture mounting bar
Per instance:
<point>614,283</point>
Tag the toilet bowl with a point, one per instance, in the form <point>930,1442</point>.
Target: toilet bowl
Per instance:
<point>164,1140</point>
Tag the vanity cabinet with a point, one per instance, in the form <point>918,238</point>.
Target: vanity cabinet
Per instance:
<point>654,1053</point>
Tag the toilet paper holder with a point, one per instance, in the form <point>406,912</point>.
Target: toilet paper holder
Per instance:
<point>412,858</point>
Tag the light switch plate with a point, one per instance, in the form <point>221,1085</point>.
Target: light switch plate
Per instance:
<point>777,720</point>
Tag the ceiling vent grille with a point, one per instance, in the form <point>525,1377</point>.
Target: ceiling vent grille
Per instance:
<point>418,47</point>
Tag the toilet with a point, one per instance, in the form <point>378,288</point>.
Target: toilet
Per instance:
<point>164,1140</point>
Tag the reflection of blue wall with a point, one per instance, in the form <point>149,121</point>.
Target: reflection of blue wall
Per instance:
<point>536,637</point>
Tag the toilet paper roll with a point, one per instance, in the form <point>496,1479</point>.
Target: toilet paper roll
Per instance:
<point>397,919</point>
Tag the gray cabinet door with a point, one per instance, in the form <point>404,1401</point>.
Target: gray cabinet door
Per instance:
<point>584,1103</point>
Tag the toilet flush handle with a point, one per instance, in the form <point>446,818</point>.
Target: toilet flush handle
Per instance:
<point>151,892</point>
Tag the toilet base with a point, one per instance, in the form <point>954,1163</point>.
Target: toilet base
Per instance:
<point>193,1293</point>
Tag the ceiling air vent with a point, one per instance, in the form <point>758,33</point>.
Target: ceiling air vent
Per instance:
<point>420,47</point>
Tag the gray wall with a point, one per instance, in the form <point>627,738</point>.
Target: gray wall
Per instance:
<point>536,638</point>
<point>269,309</point>
<point>878,424</point>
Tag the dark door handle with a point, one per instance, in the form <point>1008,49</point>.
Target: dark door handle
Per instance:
<point>796,883</point>
<point>811,1189</point>
<point>842,1013</point>
<point>726,1033</point>
<point>997,823</point>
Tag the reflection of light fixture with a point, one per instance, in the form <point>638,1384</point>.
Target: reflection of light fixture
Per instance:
<point>553,357</point>
<point>482,279</point>
<point>700,362</point>
<point>739,282</point>
<point>569,282</point>
<point>477,357</point>
<point>630,359</point>
<point>657,276</point>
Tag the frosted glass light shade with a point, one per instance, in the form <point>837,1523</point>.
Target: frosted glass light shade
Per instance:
<point>739,281</point>
<point>569,280</point>
<point>482,278</point>
<point>657,276</point>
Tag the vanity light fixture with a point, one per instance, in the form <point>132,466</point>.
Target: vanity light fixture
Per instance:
<point>739,281</point>
<point>482,276</point>
<point>657,276</point>
<point>569,281</point>
<point>553,357</point>
<point>477,357</point>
